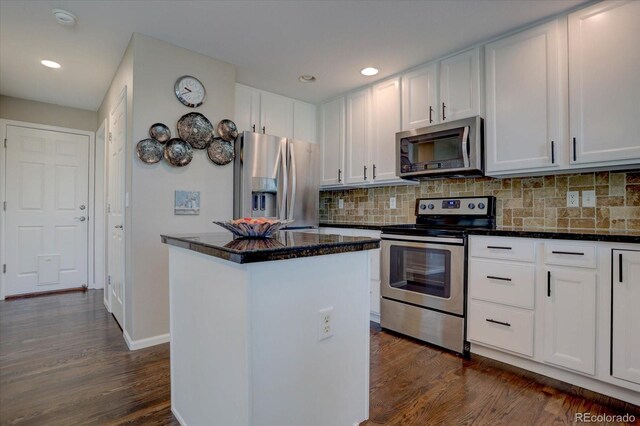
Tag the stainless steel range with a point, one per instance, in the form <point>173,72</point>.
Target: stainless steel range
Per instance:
<point>423,282</point>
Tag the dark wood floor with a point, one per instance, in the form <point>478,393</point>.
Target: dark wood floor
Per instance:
<point>63,362</point>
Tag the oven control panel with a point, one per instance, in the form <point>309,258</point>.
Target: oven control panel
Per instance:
<point>453,206</point>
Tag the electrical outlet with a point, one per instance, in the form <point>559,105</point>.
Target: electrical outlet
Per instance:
<point>340,203</point>
<point>588,198</point>
<point>573,199</point>
<point>325,326</point>
<point>392,202</point>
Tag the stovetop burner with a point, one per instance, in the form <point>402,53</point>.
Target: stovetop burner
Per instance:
<point>448,217</point>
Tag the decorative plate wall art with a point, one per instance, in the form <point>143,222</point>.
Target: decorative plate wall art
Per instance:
<point>220,152</point>
<point>227,130</point>
<point>149,151</point>
<point>160,132</point>
<point>195,129</point>
<point>178,152</point>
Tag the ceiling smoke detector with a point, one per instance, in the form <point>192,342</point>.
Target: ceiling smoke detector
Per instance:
<point>307,78</point>
<point>64,17</point>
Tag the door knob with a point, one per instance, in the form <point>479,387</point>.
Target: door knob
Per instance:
<point>82,207</point>
<point>119,227</point>
<point>80,218</point>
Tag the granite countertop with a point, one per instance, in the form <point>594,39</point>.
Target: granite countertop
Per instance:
<point>372,226</point>
<point>283,245</point>
<point>611,235</point>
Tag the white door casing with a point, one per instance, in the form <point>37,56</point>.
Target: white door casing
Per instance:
<point>47,194</point>
<point>116,206</point>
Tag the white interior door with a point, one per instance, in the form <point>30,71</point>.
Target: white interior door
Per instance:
<point>115,207</point>
<point>47,181</point>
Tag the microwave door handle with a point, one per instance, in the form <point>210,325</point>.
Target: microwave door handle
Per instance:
<point>465,146</point>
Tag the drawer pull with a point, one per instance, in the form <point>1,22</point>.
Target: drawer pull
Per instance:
<point>499,247</point>
<point>548,283</point>
<point>574,253</point>
<point>506,324</point>
<point>620,267</point>
<point>491,277</point>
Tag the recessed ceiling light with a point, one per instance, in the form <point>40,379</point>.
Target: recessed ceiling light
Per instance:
<point>50,64</point>
<point>64,17</point>
<point>369,71</point>
<point>307,78</point>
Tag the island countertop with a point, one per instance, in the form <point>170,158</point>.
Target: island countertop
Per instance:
<point>283,245</point>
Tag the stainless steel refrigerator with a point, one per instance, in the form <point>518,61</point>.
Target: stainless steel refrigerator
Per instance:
<point>277,177</point>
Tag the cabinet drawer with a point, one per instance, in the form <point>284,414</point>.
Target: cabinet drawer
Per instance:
<point>502,327</point>
<point>503,248</point>
<point>501,282</point>
<point>570,255</point>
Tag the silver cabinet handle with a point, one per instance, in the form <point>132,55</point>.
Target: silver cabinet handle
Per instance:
<point>119,226</point>
<point>80,218</point>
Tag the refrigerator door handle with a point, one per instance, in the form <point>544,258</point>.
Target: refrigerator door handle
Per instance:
<point>282,214</point>
<point>294,183</point>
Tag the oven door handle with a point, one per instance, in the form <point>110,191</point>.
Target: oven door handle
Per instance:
<point>465,146</point>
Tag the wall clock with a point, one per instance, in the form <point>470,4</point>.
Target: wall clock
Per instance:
<point>190,91</point>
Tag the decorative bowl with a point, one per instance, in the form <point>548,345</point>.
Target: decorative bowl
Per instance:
<point>258,227</point>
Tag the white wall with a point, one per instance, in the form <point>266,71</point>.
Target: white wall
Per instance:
<point>50,114</point>
<point>156,67</point>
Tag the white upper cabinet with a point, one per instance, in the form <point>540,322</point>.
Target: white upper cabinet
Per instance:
<point>331,138</point>
<point>385,123</point>
<point>604,82</point>
<point>276,115</point>
<point>304,121</point>
<point>358,134</point>
<point>247,112</point>
<point>263,112</point>
<point>461,86</point>
<point>420,97</point>
<point>525,100</point>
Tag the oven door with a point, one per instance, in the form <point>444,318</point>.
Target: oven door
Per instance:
<point>428,274</point>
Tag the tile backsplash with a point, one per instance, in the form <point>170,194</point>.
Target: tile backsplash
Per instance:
<point>527,201</point>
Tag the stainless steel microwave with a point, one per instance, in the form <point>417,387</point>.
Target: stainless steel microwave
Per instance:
<point>443,150</point>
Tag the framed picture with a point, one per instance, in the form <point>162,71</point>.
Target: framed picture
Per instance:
<point>187,202</point>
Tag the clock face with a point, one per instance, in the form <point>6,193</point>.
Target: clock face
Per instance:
<point>190,91</point>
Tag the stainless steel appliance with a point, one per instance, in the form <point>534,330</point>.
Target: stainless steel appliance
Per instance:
<point>423,274</point>
<point>449,149</point>
<point>278,178</point>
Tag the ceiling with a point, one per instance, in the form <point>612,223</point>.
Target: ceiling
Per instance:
<point>270,42</point>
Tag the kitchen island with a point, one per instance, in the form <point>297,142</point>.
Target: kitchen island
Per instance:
<point>269,332</point>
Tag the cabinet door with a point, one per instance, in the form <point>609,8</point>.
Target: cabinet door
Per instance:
<point>276,115</point>
<point>460,86</point>
<point>420,97</point>
<point>304,121</point>
<point>358,133</point>
<point>247,112</point>
<point>526,97</point>
<point>626,316</point>
<point>385,123</point>
<point>332,132</point>
<point>604,78</point>
<point>570,318</point>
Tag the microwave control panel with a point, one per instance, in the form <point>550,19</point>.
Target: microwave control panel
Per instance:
<point>453,206</point>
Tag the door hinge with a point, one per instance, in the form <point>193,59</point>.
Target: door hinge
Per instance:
<point>4,206</point>
<point>5,142</point>
<point>110,136</point>
<point>4,268</point>
<point>108,279</point>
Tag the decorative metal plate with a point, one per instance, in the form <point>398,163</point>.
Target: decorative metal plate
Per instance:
<point>196,129</point>
<point>160,132</point>
<point>220,152</point>
<point>149,151</point>
<point>178,152</point>
<point>227,130</point>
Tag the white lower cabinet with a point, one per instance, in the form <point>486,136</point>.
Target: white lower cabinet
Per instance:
<point>626,315</point>
<point>565,309</point>
<point>570,318</point>
<point>374,259</point>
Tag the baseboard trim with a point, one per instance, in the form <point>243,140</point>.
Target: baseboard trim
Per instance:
<point>178,416</point>
<point>134,345</point>
<point>374,317</point>
<point>45,293</point>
